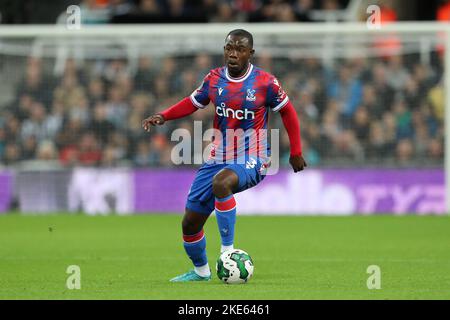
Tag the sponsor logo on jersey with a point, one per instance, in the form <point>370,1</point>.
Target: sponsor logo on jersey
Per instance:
<point>239,114</point>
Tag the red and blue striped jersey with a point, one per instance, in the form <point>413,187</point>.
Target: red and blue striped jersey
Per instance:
<point>240,103</point>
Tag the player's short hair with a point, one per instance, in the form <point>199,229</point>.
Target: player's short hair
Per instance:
<point>242,33</point>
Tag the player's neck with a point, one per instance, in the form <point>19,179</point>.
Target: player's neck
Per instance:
<point>240,74</point>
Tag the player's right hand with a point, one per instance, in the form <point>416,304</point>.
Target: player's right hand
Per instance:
<point>153,120</point>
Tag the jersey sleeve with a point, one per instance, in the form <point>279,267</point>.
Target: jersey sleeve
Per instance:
<point>276,96</point>
<point>200,96</point>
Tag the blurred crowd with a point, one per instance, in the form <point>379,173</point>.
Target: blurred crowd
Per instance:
<point>380,111</point>
<point>148,11</point>
<point>173,11</point>
<point>201,11</point>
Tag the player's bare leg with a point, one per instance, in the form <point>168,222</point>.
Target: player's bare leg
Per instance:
<point>195,246</point>
<point>225,182</point>
<point>193,222</point>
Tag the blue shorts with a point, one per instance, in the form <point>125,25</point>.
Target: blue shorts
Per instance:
<point>201,198</point>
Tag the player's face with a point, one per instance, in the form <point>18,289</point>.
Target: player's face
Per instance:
<point>237,53</point>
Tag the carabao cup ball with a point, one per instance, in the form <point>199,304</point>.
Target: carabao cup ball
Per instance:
<point>234,266</point>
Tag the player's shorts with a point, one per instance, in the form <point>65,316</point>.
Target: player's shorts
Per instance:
<point>201,198</point>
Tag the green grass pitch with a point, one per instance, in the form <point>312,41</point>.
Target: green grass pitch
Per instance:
<point>133,257</point>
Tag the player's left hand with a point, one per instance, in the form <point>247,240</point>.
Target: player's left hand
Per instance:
<point>297,163</point>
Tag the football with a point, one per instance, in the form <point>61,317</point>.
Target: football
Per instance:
<point>234,266</point>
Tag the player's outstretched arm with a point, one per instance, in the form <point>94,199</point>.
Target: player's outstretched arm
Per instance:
<point>182,109</point>
<point>292,125</point>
